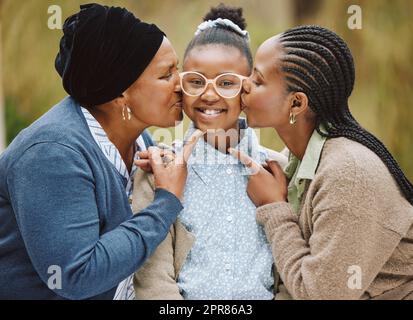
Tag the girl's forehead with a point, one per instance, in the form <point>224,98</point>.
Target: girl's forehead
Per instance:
<point>212,60</point>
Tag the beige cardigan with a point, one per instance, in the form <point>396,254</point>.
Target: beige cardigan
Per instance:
<point>156,279</point>
<point>353,238</point>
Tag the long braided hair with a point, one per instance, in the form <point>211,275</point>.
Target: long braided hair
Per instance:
<point>319,63</point>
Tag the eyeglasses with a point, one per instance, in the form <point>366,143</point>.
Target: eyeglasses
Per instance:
<point>227,85</point>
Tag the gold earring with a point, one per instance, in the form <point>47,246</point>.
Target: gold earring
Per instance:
<point>292,118</point>
<point>128,110</point>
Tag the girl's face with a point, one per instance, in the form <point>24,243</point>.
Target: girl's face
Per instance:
<point>265,99</point>
<point>211,61</point>
<point>155,98</point>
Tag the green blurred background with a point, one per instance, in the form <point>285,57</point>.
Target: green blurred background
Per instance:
<point>383,51</point>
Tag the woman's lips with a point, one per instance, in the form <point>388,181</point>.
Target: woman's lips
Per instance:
<point>178,104</point>
<point>243,105</point>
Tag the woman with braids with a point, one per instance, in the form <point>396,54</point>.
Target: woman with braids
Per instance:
<point>342,228</point>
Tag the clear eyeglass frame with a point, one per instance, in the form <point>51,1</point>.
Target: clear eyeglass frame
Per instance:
<point>213,82</point>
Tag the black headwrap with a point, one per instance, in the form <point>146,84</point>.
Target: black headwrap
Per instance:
<point>103,51</point>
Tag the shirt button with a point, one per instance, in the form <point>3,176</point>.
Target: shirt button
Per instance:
<point>229,171</point>
<point>227,267</point>
<point>130,200</point>
<point>229,218</point>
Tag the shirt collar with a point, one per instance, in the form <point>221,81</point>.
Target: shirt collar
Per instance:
<point>108,148</point>
<point>207,154</point>
<point>299,173</point>
<point>311,157</point>
<point>307,167</point>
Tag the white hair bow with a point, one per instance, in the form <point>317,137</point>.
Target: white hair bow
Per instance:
<point>222,22</point>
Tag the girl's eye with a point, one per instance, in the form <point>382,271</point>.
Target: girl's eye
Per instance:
<point>196,82</point>
<point>255,79</point>
<point>225,83</point>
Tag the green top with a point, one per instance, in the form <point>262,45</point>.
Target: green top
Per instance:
<point>299,173</point>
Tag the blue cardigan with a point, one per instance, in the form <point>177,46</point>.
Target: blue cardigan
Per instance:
<point>63,207</point>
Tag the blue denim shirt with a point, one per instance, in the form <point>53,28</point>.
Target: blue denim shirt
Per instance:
<point>231,258</point>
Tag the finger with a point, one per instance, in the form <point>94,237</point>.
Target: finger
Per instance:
<point>167,153</point>
<point>275,167</point>
<point>145,165</point>
<point>141,162</point>
<point>143,154</point>
<point>265,166</point>
<point>190,145</point>
<point>168,158</point>
<point>155,158</point>
<point>245,160</point>
<point>165,147</point>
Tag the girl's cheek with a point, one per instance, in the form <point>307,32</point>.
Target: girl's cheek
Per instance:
<point>187,103</point>
<point>187,108</point>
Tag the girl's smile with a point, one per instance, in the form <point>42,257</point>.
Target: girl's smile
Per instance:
<point>210,114</point>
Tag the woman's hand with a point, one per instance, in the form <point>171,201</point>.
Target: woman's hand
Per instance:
<point>267,184</point>
<point>169,169</point>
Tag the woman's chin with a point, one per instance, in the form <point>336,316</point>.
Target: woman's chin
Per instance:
<point>250,121</point>
<point>176,119</point>
<point>170,122</point>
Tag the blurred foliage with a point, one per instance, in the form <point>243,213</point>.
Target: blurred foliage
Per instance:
<point>15,122</point>
<point>383,52</point>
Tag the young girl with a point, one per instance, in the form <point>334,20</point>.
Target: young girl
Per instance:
<point>216,250</point>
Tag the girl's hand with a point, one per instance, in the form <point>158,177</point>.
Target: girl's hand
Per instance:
<point>267,184</point>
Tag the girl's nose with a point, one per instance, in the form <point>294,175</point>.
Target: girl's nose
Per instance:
<point>210,95</point>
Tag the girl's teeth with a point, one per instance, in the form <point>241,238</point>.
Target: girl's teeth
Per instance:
<point>212,112</point>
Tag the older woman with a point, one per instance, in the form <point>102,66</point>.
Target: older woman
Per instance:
<point>342,227</point>
<point>67,229</point>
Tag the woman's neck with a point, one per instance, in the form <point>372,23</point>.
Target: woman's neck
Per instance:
<point>122,133</point>
<point>296,137</point>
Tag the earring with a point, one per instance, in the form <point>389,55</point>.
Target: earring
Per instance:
<point>292,118</point>
<point>128,110</point>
